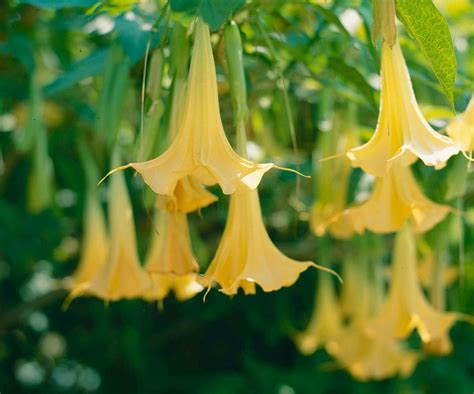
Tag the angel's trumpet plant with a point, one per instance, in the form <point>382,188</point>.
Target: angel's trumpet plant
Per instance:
<point>201,148</point>
<point>170,260</point>
<point>406,308</point>
<point>402,134</point>
<point>246,255</point>
<point>122,275</point>
<point>326,321</point>
<point>461,129</point>
<point>396,198</point>
<point>95,247</point>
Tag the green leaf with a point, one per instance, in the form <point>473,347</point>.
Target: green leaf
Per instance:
<point>353,76</point>
<point>430,29</point>
<point>86,67</point>
<point>57,4</point>
<point>214,12</point>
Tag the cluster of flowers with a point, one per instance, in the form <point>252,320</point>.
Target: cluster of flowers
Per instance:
<point>364,329</point>
<point>199,155</point>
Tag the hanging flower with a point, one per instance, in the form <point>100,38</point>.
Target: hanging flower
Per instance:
<point>184,287</point>
<point>367,357</point>
<point>200,148</point>
<point>121,276</point>
<point>170,251</point>
<point>461,129</point>
<point>366,354</point>
<point>246,255</point>
<point>189,196</point>
<point>170,261</point>
<point>95,245</point>
<point>326,321</point>
<point>402,134</point>
<point>395,198</point>
<point>406,307</point>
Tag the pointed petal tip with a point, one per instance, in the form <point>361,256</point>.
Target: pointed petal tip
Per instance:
<point>124,167</point>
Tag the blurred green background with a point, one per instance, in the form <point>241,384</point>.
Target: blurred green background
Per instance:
<point>85,65</point>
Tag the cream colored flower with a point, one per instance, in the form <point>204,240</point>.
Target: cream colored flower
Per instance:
<point>246,256</point>
<point>95,246</point>
<point>326,321</point>
<point>170,251</point>
<point>200,148</point>
<point>406,308</point>
<point>170,261</point>
<point>369,357</point>
<point>395,198</point>
<point>121,276</point>
<point>402,134</point>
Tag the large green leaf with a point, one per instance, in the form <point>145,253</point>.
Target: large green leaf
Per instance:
<point>214,12</point>
<point>430,29</point>
<point>57,4</point>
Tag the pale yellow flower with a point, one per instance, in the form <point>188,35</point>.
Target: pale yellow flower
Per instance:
<point>365,353</point>
<point>170,251</point>
<point>183,287</point>
<point>402,134</point>
<point>95,245</point>
<point>326,320</point>
<point>189,196</point>
<point>170,260</point>
<point>461,128</point>
<point>201,148</point>
<point>246,255</point>
<point>369,357</point>
<point>406,308</point>
<point>121,276</point>
<point>396,198</point>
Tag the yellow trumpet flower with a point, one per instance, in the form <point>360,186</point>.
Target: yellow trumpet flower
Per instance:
<point>364,353</point>
<point>121,276</point>
<point>367,357</point>
<point>326,321</point>
<point>200,147</point>
<point>95,247</point>
<point>184,287</point>
<point>170,251</point>
<point>170,259</point>
<point>461,128</point>
<point>396,198</point>
<point>406,307</point>
<point>402,134</point>
<point>189,196</point>
<point>246,255</point>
